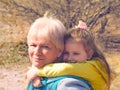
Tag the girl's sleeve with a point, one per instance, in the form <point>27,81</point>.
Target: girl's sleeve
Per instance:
<point>92,71</point>
<point>84,70</point>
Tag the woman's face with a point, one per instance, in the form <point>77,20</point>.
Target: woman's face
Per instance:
<point>41,50</point>
<point>74,51</point>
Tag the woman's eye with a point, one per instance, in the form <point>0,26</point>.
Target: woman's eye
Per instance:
<point>32,45</point>
<point>46,47</point>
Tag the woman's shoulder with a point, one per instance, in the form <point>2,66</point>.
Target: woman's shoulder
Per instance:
<point>73,83</point>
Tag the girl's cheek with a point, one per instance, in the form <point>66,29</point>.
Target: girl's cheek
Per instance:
<point>65,57</point>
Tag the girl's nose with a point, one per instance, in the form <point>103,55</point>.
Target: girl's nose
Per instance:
<point>70,57</point>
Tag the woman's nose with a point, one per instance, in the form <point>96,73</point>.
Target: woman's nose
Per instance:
<point>38,51</point>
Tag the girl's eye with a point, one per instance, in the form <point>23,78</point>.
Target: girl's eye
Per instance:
<point>76,53</point>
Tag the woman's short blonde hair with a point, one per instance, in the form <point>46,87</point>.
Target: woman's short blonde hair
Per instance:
<point>54,28</point>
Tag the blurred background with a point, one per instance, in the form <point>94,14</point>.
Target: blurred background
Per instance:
<point>16,16</point>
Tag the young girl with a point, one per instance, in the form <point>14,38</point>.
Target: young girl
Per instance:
<point>79,47</point>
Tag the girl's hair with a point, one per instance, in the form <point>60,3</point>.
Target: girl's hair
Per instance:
<point>80,33</point>
<point>54,28</point>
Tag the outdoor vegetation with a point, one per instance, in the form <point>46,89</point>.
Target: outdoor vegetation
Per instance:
<point>101,16</point>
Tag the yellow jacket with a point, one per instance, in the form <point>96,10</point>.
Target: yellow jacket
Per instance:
<point>92,71</point>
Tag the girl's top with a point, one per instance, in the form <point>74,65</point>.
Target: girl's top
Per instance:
<point>93,71</point>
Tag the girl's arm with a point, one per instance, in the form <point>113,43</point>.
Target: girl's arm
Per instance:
<point>86,69</point>
<point>92,71</point>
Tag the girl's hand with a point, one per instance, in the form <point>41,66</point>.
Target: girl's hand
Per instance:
<point>31,74</point>
<point>37,81</point>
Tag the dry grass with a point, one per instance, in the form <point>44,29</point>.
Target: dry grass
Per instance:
<point>13,40</point>
<point>114,61</point>
<point>13,50</point>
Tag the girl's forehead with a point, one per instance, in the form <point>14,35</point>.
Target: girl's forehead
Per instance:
<point>73,40</point>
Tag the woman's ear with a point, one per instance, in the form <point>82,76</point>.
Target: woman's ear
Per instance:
<point>89,53</point>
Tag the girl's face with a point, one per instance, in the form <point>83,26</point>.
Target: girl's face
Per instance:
<point>41,50</point>
<point>74,51</point>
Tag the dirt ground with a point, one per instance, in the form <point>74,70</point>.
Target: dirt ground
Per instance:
<point>12,77</point>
